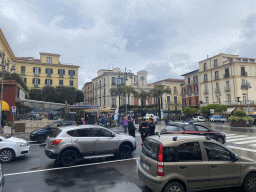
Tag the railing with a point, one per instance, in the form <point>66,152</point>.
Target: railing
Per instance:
<point>196,93</point>
<point>205,79</point>
<point>195,82</point>
<point>217,78</point>
<point>113,83</point>
<point>227,88</point>
<point>245,86</point>
<point>247,102</point>
<point>226,75</point>
<point>169,102</point>
<point>244,74</point>
<point>35,85</point>
<point>206,91</point>
<point>113,106</point>
<point>217,90</point>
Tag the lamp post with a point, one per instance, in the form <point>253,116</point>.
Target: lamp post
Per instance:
<point>125,74</point>
<point>3,65</point>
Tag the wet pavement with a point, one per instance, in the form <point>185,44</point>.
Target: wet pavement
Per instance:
<point>36,172</point>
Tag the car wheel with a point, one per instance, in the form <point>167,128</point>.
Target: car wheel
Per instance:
<point>40,139</point>
<point>174,186</point>
<point>220,140</point>
<point>125,152</point>
<point>6,155</point>
<point>250,182</point>
<point>68,158</point>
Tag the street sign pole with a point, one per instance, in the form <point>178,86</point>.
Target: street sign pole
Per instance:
<point>13,113</point>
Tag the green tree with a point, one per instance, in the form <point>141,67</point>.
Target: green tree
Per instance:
<point>35,94</point>
<point>157,92</point>
<point>49,94</point>
<point>64,93</point>
<point>205,109</point>
<point>17,78</point>
<point>186,110</point>
<point>193,110</point>
<point>79,96</point>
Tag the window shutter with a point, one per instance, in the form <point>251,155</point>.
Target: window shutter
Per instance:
<point>58,71</point>
<point>51,82</point>
<point>38,81</point>
<point>46,70</point>
<point>33,69</point>
<point>45,81</point>
<point>69,72</point>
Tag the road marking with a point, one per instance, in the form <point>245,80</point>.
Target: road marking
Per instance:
<point>238,139</point>
<point>233,137</point>
<point>246,142</point>
<point>244,149</point>
<point>252,145</point>
<point>84,165</point>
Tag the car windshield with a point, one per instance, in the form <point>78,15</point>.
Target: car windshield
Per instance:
<point>4,135</point>
<point>172,128</point>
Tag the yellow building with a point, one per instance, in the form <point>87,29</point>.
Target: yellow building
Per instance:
<point>5,49</point>
<point>171,102</point>
<point>46,71</point>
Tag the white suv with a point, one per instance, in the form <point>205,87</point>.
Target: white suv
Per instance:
<point>11,147</point>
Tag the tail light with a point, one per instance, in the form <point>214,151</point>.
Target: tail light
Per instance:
<point>56,142</point>
<point>160,163</point>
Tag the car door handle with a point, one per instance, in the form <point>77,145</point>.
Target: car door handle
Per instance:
<point>213,166</point>
<point>77,140</point>
<point>183,167</point>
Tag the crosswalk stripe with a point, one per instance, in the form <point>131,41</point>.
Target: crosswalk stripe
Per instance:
<point>241,148</point>
<point>237,139</point>
<point>235,136</point>
<point>246,142</point>
<point>252,145</point>
<point>230,134</point>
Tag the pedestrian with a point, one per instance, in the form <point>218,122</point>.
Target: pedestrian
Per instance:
<point>103,121</point>
<point>152,127</point>
<point>131,128</point>
<point>144,130</point>
<point>83,122</point>
<point>125,123</point>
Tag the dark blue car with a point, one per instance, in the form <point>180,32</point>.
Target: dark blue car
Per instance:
<point>41,134</point>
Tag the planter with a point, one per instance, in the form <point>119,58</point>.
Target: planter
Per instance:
<point>240,123</point>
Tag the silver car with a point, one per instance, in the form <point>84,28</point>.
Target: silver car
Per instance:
<point>67,144</point>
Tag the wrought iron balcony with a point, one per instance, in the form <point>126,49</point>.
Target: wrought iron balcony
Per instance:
<point>206,91</point>
<point>244,73</point>
<point>226,75</point>
<point>227,88</point>
<point>217,90</point>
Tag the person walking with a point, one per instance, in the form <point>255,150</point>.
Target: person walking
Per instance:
<point>131,128</point>
<point>144,130</point>
<point>152,127</point>
<point>103,121</point>
<point>125,123</point>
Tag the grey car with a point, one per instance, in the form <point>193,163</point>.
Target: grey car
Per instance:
<point>67,144</point>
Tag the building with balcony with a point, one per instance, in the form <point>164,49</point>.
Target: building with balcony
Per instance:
<point>87,90</point>
<point>172,102</point>
<point>46,71</point>
<point>225,78</point>
<point>190,90</point>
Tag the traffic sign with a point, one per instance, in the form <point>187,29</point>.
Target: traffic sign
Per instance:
<point>13,109</point>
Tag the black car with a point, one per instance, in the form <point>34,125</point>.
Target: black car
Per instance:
<point>194,129</point>
<point>41,134</point>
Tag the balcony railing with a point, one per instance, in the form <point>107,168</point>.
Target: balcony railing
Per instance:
<point>246,85</point>
<point>244,74</point>
<point>217,78</point>
<point>113,106</point>
<point>113,83</point>
<point>227,88</point>
<point>206,91</point>
<point>226,75</point>
<point>196,93</point>
<point>195,82</point>
<point>169,102</point>
<point>246,102</point>
<point>205,79</point>
<point>217,90</point>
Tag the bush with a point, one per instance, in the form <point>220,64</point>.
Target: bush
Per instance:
<point>9,124</point>
<point>240,113</point>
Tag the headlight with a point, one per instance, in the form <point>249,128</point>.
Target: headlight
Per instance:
<point>22,144</point>
<point>33,132</point>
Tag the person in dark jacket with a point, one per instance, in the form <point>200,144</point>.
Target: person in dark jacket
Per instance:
<point>131,128</point>
<point>152,127</point>
<point>144,130</point>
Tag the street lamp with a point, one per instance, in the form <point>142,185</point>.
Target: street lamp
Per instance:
<point>126,74</point>
<point>3,65</point>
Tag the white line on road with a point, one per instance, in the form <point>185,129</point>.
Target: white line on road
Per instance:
<point>238,139</point>
<point>84,165</point>
<point>240,148</point>
<point>246,142</point>
<point>233,137</point>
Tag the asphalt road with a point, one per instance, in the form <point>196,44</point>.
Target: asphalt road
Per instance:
<point>36,172</point>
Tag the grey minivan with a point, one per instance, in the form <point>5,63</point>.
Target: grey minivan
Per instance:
<point>67,144</point>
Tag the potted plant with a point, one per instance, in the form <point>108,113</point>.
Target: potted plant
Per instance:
<point>240,119</point>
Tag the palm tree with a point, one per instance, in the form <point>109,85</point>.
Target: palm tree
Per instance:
<point>117,91</point>
<point>158,92</point>
<point>143,95</point>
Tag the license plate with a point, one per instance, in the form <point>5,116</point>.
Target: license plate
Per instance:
<point>146,166</point>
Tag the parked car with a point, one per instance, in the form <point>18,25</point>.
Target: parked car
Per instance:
<point>253,116</point>
<point>11,147</point>
<point>194,129</point>
<point>153,117</point>
<point>1,179</point>
<point>198,119</point>
<point>192,163</point>
<point>218,119</point>
<point>41,134</point>
<point>67,144</point>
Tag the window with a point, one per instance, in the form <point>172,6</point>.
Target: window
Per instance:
<point>101,132</point>
<point>49,60</point>
<point>205,67</point>
<point>205,77</point>
<point>252,60</point>
<point>134,79</point>
<point>243,73</point>
<point>61,72</point>
<point>36,82</point>
<point>175,89</point>
<point>175,100</point>
<point>48,82</point>
<point>245,60</point>
<point>71,83</point>
<point>206,100</point>
<point>216,152</point>
<point>217,85</point>
<point>202,129</point>
<point>49,72</point>
<point>84,133</point>
<point>196,101</point>
<point>215,63</point>
<point>243,81</point>
<point>188,80</point>
<point>189,152</point>
<point>196,89</point>
<point>36,71</point>
<point>229,98</point>
<point>184,102</point>
<point>71,73</point>
<point>226,73</point>
<point>169,154</point>
<point>244,98</point>
<point>230,60</point>
<point>23,69</point>
<point>113,102</point>
<point>216,74</point>
<point>30,58</point>
<point>189,127</point>
<point>60,82</point>
<point>24,79</point>
<point>113,80</point>
<point>189,101</point>
<point>168,98</point>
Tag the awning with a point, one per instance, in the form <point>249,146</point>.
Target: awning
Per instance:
<point>230,110</point>
<point>5,107</point>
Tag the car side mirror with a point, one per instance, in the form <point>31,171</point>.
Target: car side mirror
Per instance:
<point>113,135</point>
<point>233,157</point>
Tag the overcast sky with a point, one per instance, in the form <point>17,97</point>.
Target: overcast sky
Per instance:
<point>167,38</point>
